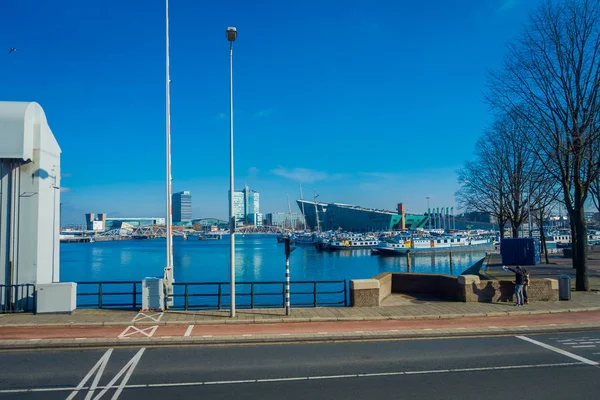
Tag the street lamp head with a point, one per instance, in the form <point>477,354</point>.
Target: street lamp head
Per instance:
<point>231,33</point>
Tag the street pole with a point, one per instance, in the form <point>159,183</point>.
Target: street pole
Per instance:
<point>168,273</point>
<point>287,275</point>
<point>231,36</point>
<point>428,212</point>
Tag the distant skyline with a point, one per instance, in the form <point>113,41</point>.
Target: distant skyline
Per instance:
<point>367,102</point>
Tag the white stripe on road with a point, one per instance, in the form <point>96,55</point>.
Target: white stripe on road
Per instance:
<point>300,378</point>
<point>559,351</point>
<point>188,332</point>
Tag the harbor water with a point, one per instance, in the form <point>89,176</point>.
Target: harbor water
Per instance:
<point>259,258</point>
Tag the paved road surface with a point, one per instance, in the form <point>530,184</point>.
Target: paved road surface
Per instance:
<point>555,366</point>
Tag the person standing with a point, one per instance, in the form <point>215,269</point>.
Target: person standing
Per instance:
<point>519,279</point>
<point>525,285</point>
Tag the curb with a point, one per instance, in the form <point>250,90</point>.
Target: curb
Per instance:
<point>49,344</point>
<point>295,320</point>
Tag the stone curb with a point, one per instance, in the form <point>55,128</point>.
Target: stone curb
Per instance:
<point>289,338</point>
<point>293,319</point>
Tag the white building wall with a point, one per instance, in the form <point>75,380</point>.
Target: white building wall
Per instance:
<point>36,176</point>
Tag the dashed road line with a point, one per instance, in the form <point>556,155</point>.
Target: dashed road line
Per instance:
<point>131,365</point>
<point>188,331</point>
<point>559,351</point>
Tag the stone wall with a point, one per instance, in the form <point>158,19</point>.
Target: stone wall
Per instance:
<point>443,286</point>
<point>504,291</point>
<point>464,288</point>
<point>364,293</point>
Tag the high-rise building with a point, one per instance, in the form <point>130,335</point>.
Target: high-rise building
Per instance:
<point>182,207</point>
<point>246,206</point>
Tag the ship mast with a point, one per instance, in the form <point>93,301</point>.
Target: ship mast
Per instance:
<point>302,202</point>
<point>290,213</point>
<point>317,211</point>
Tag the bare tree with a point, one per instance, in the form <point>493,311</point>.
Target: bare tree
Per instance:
<point>517,162</point>
<point>483,182</point>
<point>551,78</point>
<point>595,192</point>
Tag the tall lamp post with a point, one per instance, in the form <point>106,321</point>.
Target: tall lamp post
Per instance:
<point>168,273</point>
<point>231,36</point>
<point>428,212</point>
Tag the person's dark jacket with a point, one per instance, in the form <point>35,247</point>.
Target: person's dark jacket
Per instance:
<point>519,275</point>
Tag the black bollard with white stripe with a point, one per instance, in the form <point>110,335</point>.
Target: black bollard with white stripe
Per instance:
<point>288,250</point>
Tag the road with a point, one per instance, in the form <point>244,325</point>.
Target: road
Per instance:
<point>553,366</point>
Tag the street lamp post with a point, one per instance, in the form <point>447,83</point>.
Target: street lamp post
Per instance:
<point>168,273</point>
<point>428,212</point>
<point>231,36</point>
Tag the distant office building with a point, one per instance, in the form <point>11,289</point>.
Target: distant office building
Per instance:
<point>208,224</point>
<point>255,219</point>
<point>117,223</point>
<point>246,206</point>
<point>95,222</point>
<point>285,220</point>
<point>182,207</point>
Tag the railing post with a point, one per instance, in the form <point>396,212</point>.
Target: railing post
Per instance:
<point>283,294</point>
<point>219,298</point>
<point>134,295</point>
<point>252,295</point>
<point>345,295</point>
<point>185,298</point>
<point>315,292</point>
<point>27,300</point>
<point>100,295</point>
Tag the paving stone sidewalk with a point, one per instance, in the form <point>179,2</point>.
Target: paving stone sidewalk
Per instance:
<point>556,267</point>
<point>414,308</point>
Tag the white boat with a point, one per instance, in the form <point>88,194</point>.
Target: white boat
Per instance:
<point>426,246</point>
<point>210,236</point>
<point>351,241</point>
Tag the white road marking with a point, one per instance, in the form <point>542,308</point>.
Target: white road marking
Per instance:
<point>587,345</point>
<point>132,330</point>
<point>141,316</point>
<point>98,368</point>
<point>559,351</point>
<point>274,380</point>
<point>188,331</point>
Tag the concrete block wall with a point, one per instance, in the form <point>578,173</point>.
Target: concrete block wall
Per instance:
<point>464,288</point>
<point>475,290</point>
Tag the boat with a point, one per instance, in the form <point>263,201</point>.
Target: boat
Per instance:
<point>348,241</point>
<point>305,238</point>
<point>210,236</point>
<point>401,246</point>
<point>282,236</point>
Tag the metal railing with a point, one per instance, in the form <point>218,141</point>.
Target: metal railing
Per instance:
<point>17,298</point>
<point>216,295</point>
<point>109,294</point>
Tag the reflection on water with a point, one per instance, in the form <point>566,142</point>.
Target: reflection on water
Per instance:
<point>258,258</point>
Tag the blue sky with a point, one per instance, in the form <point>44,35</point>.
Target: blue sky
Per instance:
<point>368,102</point>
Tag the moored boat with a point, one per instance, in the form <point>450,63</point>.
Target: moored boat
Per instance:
<point>426,246</point>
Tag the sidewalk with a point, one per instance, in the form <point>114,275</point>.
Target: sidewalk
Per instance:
<point>400,316</point>
<point>416,318</point>
<point>558,266</point>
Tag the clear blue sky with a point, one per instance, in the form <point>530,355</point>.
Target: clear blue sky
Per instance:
<point>368,102</point>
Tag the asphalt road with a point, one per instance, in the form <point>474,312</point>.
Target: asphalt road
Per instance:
<point>555,366</point>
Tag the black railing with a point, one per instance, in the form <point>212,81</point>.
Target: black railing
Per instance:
<point>17,298</point>
<point>109,294</point>
<point>216,295</point>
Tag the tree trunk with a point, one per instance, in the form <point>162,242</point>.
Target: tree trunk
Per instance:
<point>543,239</point>
<point>501,224</point>
<point>515,229</point>
<point>579,239</point>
